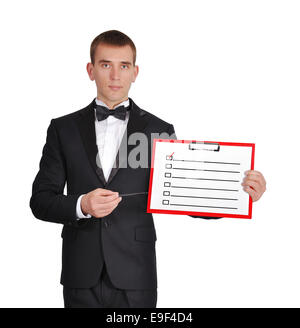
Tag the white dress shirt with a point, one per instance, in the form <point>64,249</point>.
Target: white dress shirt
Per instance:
<point>109,134</point>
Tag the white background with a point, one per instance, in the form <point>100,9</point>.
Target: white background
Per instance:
<point>217,70</point>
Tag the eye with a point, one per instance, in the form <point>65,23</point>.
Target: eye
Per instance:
<point>124,66</point>
<point>105,65</point>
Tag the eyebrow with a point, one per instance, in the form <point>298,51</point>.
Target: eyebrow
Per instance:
<point>109,61</point>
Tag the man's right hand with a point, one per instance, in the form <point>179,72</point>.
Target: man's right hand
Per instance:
<point>99,202</point>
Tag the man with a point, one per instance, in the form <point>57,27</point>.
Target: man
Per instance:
<point>108,256</point>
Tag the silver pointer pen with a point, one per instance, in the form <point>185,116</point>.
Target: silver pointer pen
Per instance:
<point>133,194</point>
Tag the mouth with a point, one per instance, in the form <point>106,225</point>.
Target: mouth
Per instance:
<point>114,88</point>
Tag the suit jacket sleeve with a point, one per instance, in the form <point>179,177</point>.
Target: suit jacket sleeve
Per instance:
<point>48,202</point>
<point>172,134</point>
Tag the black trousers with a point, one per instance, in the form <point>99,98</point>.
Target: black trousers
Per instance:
<point>105,295</point>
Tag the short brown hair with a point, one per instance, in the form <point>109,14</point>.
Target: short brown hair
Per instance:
<point>112,37</point>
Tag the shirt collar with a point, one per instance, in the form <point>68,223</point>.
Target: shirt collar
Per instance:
<point>125,103</point>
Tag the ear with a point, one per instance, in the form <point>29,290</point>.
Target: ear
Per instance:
<point>136,72</point>
<point>90,71</point>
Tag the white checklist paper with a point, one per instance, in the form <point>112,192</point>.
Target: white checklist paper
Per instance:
<point>202,177</point>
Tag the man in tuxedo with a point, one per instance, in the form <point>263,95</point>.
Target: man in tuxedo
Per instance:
<point>108,254</point>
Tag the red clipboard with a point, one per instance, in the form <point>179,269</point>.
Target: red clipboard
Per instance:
<point>197,213</point>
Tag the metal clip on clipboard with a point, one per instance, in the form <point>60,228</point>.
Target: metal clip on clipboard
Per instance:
<point>198,145</point>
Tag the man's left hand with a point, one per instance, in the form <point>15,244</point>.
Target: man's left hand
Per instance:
<point>254,184</point>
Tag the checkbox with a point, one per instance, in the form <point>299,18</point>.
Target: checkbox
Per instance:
<point>168,175</point>
<point>166,193</point>
<point>165,202</point>
<point>167,184</point>
<point>168,166</point>
<point>168,158</point>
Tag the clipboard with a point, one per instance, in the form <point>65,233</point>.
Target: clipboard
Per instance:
<point>201,178</point>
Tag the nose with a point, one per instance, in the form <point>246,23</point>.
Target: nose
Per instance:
<point>114,73</point>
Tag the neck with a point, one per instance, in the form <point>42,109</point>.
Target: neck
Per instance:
<point>109,104</point>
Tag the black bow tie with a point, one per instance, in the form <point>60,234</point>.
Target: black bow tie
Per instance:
<point>103,112</point>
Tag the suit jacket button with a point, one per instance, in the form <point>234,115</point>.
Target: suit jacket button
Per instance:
<point>106,224</point>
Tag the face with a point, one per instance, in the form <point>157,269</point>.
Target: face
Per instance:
<point>113,73</point>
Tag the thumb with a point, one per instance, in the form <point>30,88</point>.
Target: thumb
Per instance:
<point>104,192</point>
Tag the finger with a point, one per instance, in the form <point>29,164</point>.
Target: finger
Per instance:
<point>257,174</point>
<point>102,214</point>
<point>109,205</point>
<point>253,172</point>
<point>253,194</point>
<point>107,199</point>
<point>114,207</point>
<point>105,212</point>
<point>250,183</point>
<point>254,179</point>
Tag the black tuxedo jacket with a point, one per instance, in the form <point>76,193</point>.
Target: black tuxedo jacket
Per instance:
<point>125,239</point>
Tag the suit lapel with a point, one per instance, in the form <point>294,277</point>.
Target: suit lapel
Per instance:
<point>86,124</point>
